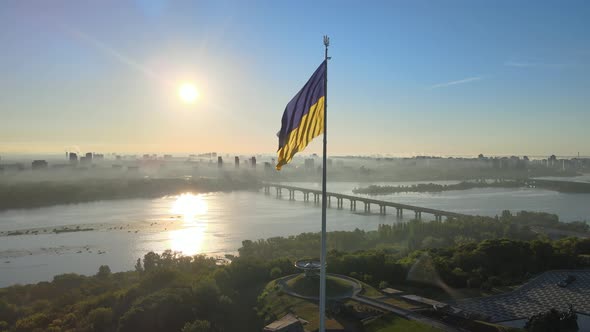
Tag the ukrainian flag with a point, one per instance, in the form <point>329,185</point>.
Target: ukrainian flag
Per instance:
<point>303,118</point>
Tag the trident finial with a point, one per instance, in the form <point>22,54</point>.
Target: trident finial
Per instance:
<point>326,41</point>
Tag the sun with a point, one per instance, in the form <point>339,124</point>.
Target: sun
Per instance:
<point>188,93</point>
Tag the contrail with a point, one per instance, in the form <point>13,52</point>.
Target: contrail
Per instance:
<point>465,80</point>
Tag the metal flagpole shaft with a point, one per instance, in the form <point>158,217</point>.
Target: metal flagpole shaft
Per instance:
<point>323,245</point>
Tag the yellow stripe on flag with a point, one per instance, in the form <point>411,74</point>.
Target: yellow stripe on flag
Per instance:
<point>311,126</point>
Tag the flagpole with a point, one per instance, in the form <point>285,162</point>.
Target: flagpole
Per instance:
<point>323,245</point>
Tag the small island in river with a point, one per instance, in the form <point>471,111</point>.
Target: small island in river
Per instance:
<point>561,186</point>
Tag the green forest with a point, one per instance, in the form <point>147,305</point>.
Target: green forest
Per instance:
<point>177,293</point>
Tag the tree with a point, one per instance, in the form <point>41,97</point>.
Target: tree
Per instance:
<point>163,310</point>
<point>32,322</point>
<point>276,272</point>
<point>197,326</point>
<point>100,318</point>
<point>8,312</point>
<point>138,266</point>
<point>544,322</point>
<point>151,260</point>
<point>104,271</point>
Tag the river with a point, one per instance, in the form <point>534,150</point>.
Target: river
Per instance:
<point>216,223</point>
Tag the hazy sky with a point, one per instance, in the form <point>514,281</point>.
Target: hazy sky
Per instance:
<point>406,77</point>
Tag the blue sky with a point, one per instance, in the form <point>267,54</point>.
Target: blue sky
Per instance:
<point>406,77</point>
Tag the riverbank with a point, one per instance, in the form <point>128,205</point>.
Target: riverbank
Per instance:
<point>23,195</point>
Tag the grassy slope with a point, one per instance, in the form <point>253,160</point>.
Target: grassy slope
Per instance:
<point>311,287</point>
<point>275,304</point>
<point>391,323</point>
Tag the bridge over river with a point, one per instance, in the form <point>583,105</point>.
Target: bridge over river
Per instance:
<point>317,194</point>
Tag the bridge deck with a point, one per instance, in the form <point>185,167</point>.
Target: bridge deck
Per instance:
<point>369,200</point>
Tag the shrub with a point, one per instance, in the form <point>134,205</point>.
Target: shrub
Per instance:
<point>197,326</point>
<point>276,272</point>
<point>100,318</point>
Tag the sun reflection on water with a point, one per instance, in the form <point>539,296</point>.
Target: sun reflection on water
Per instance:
<point>189,206</point>
<point>189,240</point>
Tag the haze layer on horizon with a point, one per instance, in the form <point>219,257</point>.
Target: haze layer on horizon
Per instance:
<point>406,78</point>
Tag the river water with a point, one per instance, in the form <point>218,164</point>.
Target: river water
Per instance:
<point>216,223</point>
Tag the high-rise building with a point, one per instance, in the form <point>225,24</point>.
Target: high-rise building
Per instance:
<point>253,162</point>
<point>237,161</point>
<point>73,158</point>
<point>219,162</point>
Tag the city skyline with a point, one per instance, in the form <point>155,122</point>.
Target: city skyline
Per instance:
<point>415,78</point>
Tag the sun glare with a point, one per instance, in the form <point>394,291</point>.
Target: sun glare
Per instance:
<point>188,93</point>
<point>189,241</point>
<point>189,206</point>
<point>190,238</point>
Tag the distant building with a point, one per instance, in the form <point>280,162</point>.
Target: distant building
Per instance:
<point>73,157</point>
<point>167,156</point>
<point>208,155</point>
<point>219,162</point>
<point>85,160</point>
<point>253,162</point>
<point>39,164</point>
<point>98,156</point>
<point>237,161</point>
<point>60,166</point>
<point>267,166</point>
<point>289,323</point>
<point>309,163</point>
<point>552,161</point>
<point>12,167</point>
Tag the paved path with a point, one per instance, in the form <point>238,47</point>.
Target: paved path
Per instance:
<point>354,295</point>
<point>405,313</point>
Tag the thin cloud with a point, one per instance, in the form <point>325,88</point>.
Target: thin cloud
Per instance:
<point>530,64</point>
<point>520,64</point>
<point>463,81</point>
